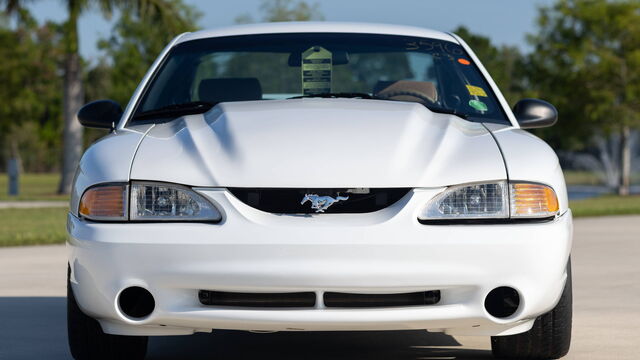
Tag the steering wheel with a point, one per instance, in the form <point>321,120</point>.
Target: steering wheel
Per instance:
<point>416,94</point>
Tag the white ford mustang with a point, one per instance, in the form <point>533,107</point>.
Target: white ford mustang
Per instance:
<point>319,176</point>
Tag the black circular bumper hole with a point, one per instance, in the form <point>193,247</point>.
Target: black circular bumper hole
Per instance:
<point>502,302</point>
<point>136,302</point>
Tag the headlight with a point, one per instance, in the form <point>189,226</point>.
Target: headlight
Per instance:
<point>147,202</point>
<point>155,201</point>
<point>477,201</point>
<point>497,200</point>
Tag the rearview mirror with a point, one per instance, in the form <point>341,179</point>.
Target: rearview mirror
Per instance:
<point>534,113</point>
<point>102,114</point>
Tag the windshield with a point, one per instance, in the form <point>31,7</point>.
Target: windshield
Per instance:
<point>199,74</point>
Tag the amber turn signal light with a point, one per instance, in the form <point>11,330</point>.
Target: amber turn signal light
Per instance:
<point>533,200</point>
<point>105,202</point>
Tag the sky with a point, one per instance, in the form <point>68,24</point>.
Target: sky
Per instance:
<point>504,21</point>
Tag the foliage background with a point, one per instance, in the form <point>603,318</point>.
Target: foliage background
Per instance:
<point>585,60</point>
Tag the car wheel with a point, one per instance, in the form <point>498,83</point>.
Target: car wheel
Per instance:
<point>88,341</point>
<point>549,338</point>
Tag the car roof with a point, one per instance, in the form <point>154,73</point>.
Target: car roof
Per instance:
<point>318,27</point>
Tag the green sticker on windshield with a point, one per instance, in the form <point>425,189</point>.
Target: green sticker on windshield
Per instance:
<point>316,71</point>
<point>478,105</point>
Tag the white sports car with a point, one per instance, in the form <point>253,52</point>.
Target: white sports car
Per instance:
<point>319,176</point>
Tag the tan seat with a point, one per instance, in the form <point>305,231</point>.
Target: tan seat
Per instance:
<point>401,90</point>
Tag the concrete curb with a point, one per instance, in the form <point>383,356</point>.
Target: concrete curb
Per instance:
<point>32,204</point>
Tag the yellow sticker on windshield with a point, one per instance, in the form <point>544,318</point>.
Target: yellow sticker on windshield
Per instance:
<point>476,91</point>
<point>316,71</point>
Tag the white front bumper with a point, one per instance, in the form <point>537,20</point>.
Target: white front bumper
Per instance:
<point>384,252</point>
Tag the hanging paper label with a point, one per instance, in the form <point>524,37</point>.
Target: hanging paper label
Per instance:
<point>316,71</point>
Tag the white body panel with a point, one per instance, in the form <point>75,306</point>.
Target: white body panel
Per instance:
<point>253,251</point>
<point>528,158</point>
<point>107,160</point>
<point>318,143</point>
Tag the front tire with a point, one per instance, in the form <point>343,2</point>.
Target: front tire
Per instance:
<point>87,341</point>
<point>549,338</point>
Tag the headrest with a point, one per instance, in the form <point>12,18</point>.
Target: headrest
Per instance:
<point>425,88</point>
<point>229,89</point>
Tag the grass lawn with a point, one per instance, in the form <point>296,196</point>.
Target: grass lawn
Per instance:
<point>32,226</point>
<point>40,187</point>
<point>580,177</point>
<point>606,205</point>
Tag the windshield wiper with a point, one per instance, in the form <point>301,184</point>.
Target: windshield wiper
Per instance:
<point>350,95</point>
<point>441,110</point>
<point>188,108</point>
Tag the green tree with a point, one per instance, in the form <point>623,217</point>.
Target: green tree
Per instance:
<point>134,45</point>
<point>160,10</point>
<point>587,59</point>
<point>506,64</point>
<point>29,73</point>
<point>284,10</point>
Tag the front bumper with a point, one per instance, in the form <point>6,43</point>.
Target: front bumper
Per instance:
<point>388,251</point>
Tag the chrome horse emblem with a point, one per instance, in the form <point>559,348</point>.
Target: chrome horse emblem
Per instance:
<point>321,203</point>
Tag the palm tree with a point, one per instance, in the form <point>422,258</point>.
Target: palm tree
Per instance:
<point>162,11</point>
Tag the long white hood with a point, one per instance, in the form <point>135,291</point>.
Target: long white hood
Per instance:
<point>318,143</point>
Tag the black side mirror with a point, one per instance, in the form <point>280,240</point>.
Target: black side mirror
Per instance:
<point>103,114</point>
<point>534,113</point>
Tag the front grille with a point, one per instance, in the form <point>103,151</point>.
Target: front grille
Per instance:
<point>288,201</point>
<point>258,300</point>
<point>348,300</point>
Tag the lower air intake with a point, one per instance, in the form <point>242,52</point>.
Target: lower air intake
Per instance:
<point>257,300</point>
<point>348,300</point>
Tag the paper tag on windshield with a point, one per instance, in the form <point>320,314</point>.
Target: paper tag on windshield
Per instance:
<point>316,71</point>
<point>476,91</point>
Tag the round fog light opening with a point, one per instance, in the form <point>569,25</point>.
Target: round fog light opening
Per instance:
<point>502,302</point>
<point>136,302</point>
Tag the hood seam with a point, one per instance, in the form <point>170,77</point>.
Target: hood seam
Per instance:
<point>135,152</point>
<point>504,161</point>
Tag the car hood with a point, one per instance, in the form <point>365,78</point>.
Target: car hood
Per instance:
<point>318,143</point>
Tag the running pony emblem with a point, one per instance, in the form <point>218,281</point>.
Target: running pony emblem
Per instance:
<point>321,203</point>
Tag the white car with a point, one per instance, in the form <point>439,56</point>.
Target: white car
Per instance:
<point>319,177</point>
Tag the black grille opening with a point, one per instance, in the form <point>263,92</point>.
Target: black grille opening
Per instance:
<point>288,201</point>
<point>347,300</point>
<point>258,300</point>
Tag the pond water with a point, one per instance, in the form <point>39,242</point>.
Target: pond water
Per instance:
<point>578,192</point>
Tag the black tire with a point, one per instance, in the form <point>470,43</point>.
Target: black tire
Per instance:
<point>88,341</point>
<point>549,338</point>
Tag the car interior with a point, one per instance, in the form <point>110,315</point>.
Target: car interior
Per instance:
<point>218,90</point>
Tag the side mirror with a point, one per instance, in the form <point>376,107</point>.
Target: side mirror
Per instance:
<point>103,114</point>
<point>534,113</point>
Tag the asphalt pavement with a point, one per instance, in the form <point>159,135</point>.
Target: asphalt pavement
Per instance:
<point>606,284</point>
